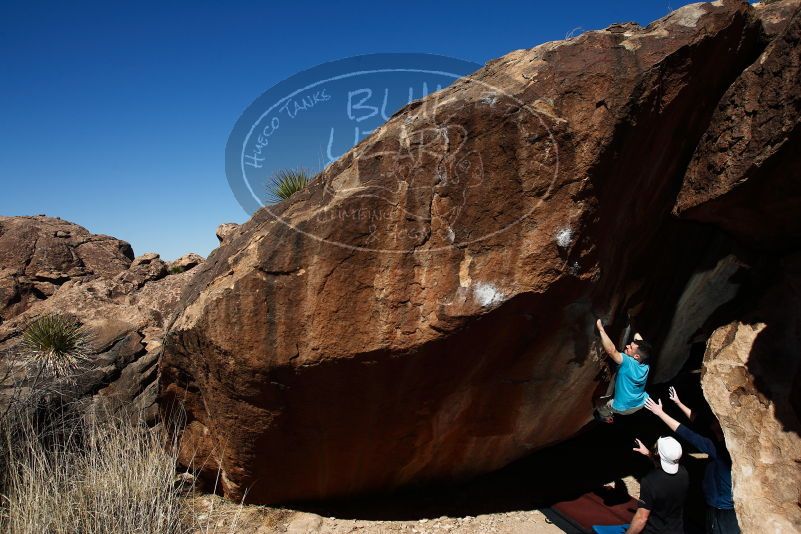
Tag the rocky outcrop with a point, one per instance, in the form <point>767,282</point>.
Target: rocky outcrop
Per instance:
<point>225,230</point>
<point>123,303</point>
<point>752,380</point>
<point>39,254</point>
<point>185,262</point>
<point>424,309</point>
<point>745,175</point>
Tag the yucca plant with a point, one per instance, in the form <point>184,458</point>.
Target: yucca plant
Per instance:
<point>57,343</point>
<point>286,182</point>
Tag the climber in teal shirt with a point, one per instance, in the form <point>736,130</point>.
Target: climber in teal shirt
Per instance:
<point>632,375</point>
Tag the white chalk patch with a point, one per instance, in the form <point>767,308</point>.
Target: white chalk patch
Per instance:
<point>489,98</point>
<point>575,268</point>
<point>451,235</point>
<point>564,236</point>
<point>487,295</point>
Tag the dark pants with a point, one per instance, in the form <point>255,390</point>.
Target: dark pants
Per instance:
<point>721,521</point>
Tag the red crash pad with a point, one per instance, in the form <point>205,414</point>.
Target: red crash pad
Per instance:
<point>605,506</point>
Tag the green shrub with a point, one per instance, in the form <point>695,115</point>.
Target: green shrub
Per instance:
<point>57,343</point>
<point>286,182</point>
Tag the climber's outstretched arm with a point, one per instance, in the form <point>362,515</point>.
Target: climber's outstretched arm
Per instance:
<point>609,347</point>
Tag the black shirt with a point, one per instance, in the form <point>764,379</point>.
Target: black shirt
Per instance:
<point>664,495</point>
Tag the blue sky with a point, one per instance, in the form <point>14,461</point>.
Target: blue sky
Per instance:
<point>116,116</point>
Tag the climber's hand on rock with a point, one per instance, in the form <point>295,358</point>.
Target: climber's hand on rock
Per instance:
<point>653,407</point>
<point>599,325</point>
<point>642,449</point>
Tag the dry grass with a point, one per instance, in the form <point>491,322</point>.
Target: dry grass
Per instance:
<point>90,475</point>
<point>70,465</point>
<point>65,471</point>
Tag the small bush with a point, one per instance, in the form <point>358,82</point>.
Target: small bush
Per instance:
<point>286,182</point>
<point>57,343</point>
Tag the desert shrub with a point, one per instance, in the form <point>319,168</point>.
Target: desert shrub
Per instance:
<point>286,182</point>
<point>57,343</point>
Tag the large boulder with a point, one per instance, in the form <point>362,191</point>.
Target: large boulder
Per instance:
<point>752,380</point>
<point>39,254</point>
<point>425,309</point>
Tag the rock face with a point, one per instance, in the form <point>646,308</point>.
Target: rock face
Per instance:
<point>185,262</point>
<point>225,230</point>
<point>425,309</point>
<point>745,175</point>
<point>752,380</point>
<point>123,302</point>
<point>39,254</point>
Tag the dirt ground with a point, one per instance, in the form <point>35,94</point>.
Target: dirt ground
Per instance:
<point>215,515</point>
<point>226,517</point>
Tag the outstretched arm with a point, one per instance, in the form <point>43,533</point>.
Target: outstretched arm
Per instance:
<point>642,449</point>
<point>639,521</point>
<point>656,409</point>
<point>609,347</point>
<point>675,398</point>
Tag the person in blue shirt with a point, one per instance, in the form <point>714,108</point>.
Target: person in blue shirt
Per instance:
<point>632,375</point>
<point>721,517</point>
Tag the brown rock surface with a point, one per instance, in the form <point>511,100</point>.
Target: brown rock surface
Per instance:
<point>424,309</point>
<point>226,230</point>
<point>752,380</point>
<point>775,15</point>
<point>38,254</point>
<point>745,175</point>
<point>185,262</point>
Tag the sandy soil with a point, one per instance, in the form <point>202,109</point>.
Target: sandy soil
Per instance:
<point>215,515</point>
<point>226,517</point>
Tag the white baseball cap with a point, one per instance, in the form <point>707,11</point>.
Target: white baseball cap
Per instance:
<point>669,454</point>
